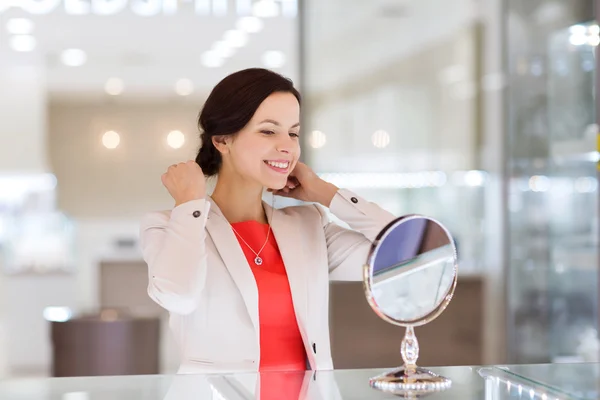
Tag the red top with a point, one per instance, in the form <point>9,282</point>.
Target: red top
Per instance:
<point>281,345</point>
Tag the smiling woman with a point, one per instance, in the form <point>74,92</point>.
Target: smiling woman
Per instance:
<point>247,284</point>
<point>251,118</point>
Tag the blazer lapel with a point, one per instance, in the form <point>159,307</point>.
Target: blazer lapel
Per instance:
<point>234,259</point>
<point>290,243</point>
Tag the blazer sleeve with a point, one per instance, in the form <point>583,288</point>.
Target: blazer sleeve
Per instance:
<point>173,246</point>
<point>347,249</point>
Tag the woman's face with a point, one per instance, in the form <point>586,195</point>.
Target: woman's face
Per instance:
<point>268,147</point>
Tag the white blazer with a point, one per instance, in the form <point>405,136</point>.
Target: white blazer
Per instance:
<point>198,272</point>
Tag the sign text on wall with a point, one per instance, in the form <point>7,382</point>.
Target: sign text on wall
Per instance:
<point>144,8</point>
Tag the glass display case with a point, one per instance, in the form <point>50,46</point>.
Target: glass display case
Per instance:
<point>496,382</point>
<point>35,237</point>
<point>552,183</point>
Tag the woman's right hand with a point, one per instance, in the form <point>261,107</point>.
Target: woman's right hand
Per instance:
<point>185,182</point>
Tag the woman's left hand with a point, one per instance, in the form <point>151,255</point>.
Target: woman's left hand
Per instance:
<point>303,184</point>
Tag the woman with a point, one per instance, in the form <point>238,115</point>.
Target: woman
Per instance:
<point>246,284</point>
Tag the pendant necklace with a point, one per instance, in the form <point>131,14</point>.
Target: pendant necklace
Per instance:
<point>258,260</point>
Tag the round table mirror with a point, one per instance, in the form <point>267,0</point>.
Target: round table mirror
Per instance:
<point>409,280</point>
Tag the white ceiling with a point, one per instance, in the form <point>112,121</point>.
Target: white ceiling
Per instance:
<point>363,37</point>
<point>346,39</point>
<point>148,53</point>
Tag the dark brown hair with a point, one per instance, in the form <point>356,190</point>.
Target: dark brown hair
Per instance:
<point>231,105</point>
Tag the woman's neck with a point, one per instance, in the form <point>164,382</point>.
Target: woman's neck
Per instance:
<point>239,200</point>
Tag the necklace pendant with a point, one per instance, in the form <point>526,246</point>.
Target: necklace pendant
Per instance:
<point>258,260</point>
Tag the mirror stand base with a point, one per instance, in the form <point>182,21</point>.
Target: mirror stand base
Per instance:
<point>411,382</point>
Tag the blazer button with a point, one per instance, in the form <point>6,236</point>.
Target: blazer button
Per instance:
<point>196,214</point>
<point>354,200</point>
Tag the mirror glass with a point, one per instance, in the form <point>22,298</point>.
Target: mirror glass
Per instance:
<point>410,277</point>
<point>413,269</point>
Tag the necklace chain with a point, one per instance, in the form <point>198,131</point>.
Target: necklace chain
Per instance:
<point>257,260</point>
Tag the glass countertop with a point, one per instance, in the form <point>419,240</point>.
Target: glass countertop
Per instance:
<point>575,381</point>
<point>491,383</point>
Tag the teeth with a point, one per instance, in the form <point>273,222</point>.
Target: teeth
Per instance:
<point>282,165</point>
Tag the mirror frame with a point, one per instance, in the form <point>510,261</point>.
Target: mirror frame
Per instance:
<point>368,275</point>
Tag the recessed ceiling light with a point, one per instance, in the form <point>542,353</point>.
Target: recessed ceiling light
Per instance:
<point>57,314</point>
<point>184,87</point>
<point>175,139</point>
<point>577,39</point>
<point>236,38</point>
<point>577,29</point>
<point>317,139</point>
<point>249,24</point>
<point>211,59</point>
<point>223,49</point>
<point>19,26</point>
<point>111,140</point>
<point>114,86</point>
<point>273,59</point>
<point>23,43</point>
<point>73,57</point>
<point>380,139</point>
<point>265,9</point>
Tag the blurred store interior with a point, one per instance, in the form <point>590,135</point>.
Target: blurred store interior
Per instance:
<point>479,113</point>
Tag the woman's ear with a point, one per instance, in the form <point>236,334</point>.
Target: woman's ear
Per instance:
<point>221,143</point>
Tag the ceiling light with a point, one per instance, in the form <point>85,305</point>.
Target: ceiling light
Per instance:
<point>577,30</point>
<point>273,59</point>
<point>57,314</point>
<point>594,40</point>
<point>175,139</point>
<point>23,43</point>
<point>111,140</point>
<point>539,183</point>
<point>577,39</point>
<point>19,26</point>
<point>380,139</point>
<point>236,38</point>
<point>114,86</point>
<point>184,87</point>
<point>223,49</point>
<point>73,57</point>
<point>594,30</point>
<point>249,24</point>
<point>211,59</point>
<point>317,139</point>
<point>265,9</point>
<point>474,178</point>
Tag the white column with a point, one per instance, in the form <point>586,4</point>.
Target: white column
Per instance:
<point>22,120</point>
<point>22,154</point>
